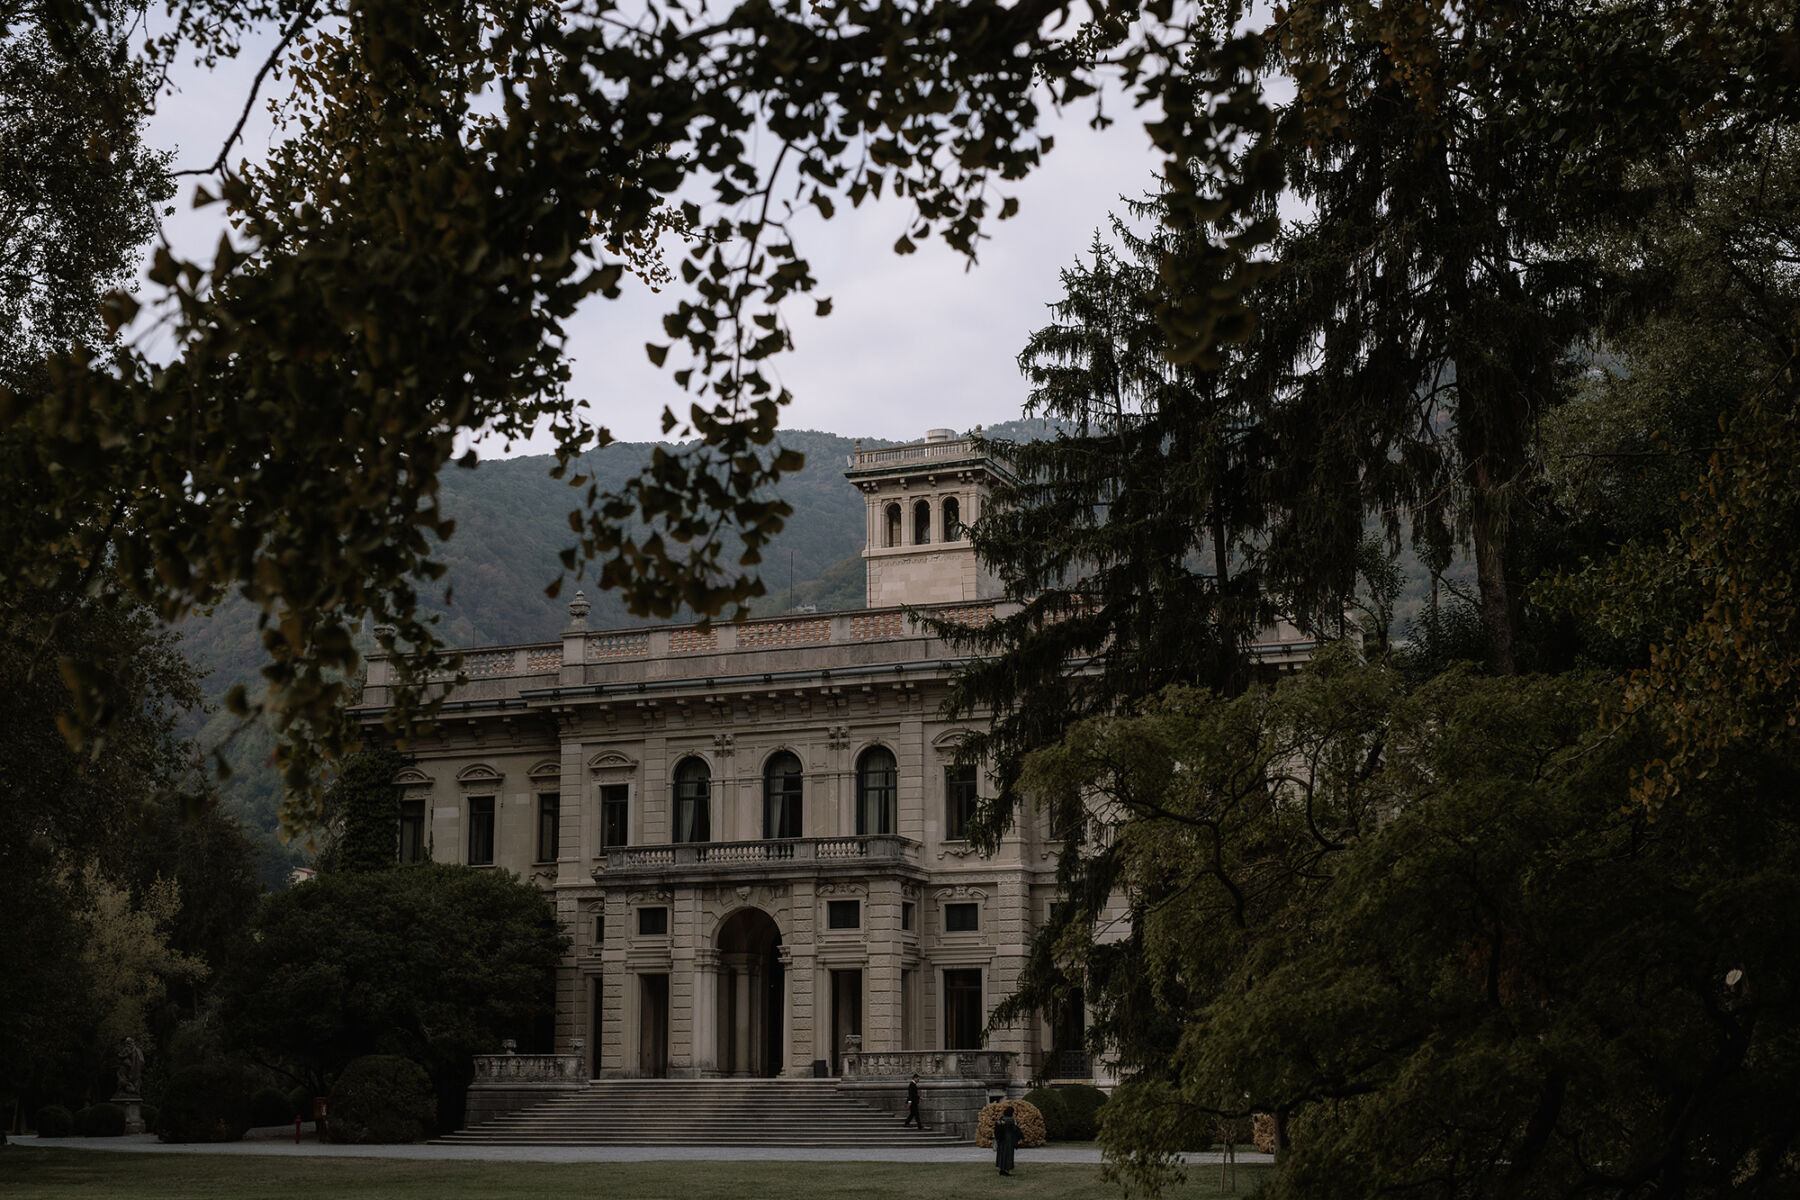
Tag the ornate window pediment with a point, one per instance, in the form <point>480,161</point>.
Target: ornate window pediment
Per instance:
<point>412,777</point>
<point>611,760</point>
<point>479,777</point>
<point>548,771</point>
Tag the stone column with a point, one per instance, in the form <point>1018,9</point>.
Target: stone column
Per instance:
<point>706,1011</point>
<point>790,1064</point>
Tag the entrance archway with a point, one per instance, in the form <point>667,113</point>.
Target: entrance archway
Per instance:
<point>752,994</point>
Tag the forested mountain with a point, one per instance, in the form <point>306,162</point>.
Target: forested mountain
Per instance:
<point>511,522</point>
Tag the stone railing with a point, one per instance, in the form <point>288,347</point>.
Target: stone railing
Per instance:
<point>988,1066</point>
<point>870,850</point>
<point>919,452</point>
<point>512,1069</point>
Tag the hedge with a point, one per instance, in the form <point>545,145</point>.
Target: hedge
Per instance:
<point>382,1098</point>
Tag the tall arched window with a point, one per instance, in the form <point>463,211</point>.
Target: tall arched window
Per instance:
<point>891,521</point>
<point>693,801</point>
<point>952,520</point>
<point>877,786</point>
<point>921,522</point>
<point>781,797</point>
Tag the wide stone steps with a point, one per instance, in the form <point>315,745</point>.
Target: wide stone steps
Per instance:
<point>701,1112</point>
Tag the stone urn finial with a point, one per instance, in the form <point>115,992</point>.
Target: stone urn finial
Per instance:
<point>509,1046</point>
<point>578,610</point>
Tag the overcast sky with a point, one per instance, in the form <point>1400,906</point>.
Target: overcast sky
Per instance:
<point>912,343</point>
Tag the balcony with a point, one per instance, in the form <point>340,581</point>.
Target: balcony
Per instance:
<point>762,859</point>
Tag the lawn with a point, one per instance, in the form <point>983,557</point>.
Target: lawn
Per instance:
<point>30,1172</point>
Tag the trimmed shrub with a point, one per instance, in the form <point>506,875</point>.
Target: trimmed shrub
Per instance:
<point>300,1102</point>
<point>270,1107</point>
<point>1262,1132</point>
<point>1049,1102</point>
<point>382,1098</point>
<point>54,1121</point>
<point>148,1112</point>
<point>1027,1114</point>
<point>209,1103</point>
<point>101,1120</point>
<point>1081,1103</point>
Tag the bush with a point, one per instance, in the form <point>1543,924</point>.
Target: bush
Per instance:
<point>1262,1132</point>
<point>54,1121</point>
<point>102,1120</point>
<point>1081,1104</point>
<point>208,1103</point>
<point>382,1098</point>
<point>1049,1102</point>
<point>1030,1119</point>
<point>149,1113</point>
<point>300,1102</point>
<point>270,1107</point>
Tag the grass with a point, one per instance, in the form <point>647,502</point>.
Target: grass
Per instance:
<point>31,1173</point>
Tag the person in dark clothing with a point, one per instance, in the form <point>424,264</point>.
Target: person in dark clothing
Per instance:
<point>1006,1137</point>
<point>912,1105</point>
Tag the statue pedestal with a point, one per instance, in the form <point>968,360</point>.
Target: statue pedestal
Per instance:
<point>133,1105</point>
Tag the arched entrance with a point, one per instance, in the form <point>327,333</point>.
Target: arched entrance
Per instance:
<point>752,994</point>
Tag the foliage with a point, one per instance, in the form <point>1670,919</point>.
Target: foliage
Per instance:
<point>55,1121</point>
<point>269,1107</point>
<point>62,815</point>
<point>360,808</point>
<point>433,962</point>
<point>127,959</point>
<point>208,1103</point>
<point>101,1120</point>
<point>79,188</point>
<point>1050,1106</point>
<point>1029,1119</point>
<point>300,1101</point>
<point>382,1098</point>
<point>1081,1103</point>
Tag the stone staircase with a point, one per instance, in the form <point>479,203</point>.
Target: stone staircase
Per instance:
<point>701,1112</point>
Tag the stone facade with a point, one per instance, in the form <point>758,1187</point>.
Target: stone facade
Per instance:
<point>753,831</point>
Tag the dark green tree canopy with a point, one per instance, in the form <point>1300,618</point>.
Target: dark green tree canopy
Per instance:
<point>436,963</point>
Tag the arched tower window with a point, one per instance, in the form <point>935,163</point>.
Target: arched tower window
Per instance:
<point>952,520</point>
<point>891,518</point>
<point>693,801</point>
<point>781,796</point>
<point>921,522</point>
<point>877,788</point>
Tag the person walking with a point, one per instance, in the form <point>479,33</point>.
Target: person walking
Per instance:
<point>1006,1137</point>
<point>912,1106</point>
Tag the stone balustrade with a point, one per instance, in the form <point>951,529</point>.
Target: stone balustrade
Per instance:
<point>513,1069</point>
<point>779,855</point>
<point>986,1066</point>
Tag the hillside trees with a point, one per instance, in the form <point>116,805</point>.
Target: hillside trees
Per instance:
<point>449,183</point>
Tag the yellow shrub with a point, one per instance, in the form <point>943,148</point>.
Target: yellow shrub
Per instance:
<point>1031,1123</point>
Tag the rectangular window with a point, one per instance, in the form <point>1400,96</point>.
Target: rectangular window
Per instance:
<point>959,801</point>
<point>653,922</point>
<point>599,931</point>
<point>412,831</point>
<point>481,831</point>
<point>909,916</point>
<point>615,814</point>
<point>549,825</point>
<point>962,918</point>
<point>843,914</point>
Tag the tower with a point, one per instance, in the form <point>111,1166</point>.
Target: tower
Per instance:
<point>921,497</point>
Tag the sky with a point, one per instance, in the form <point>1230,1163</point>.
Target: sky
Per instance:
<point>912,343</point>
